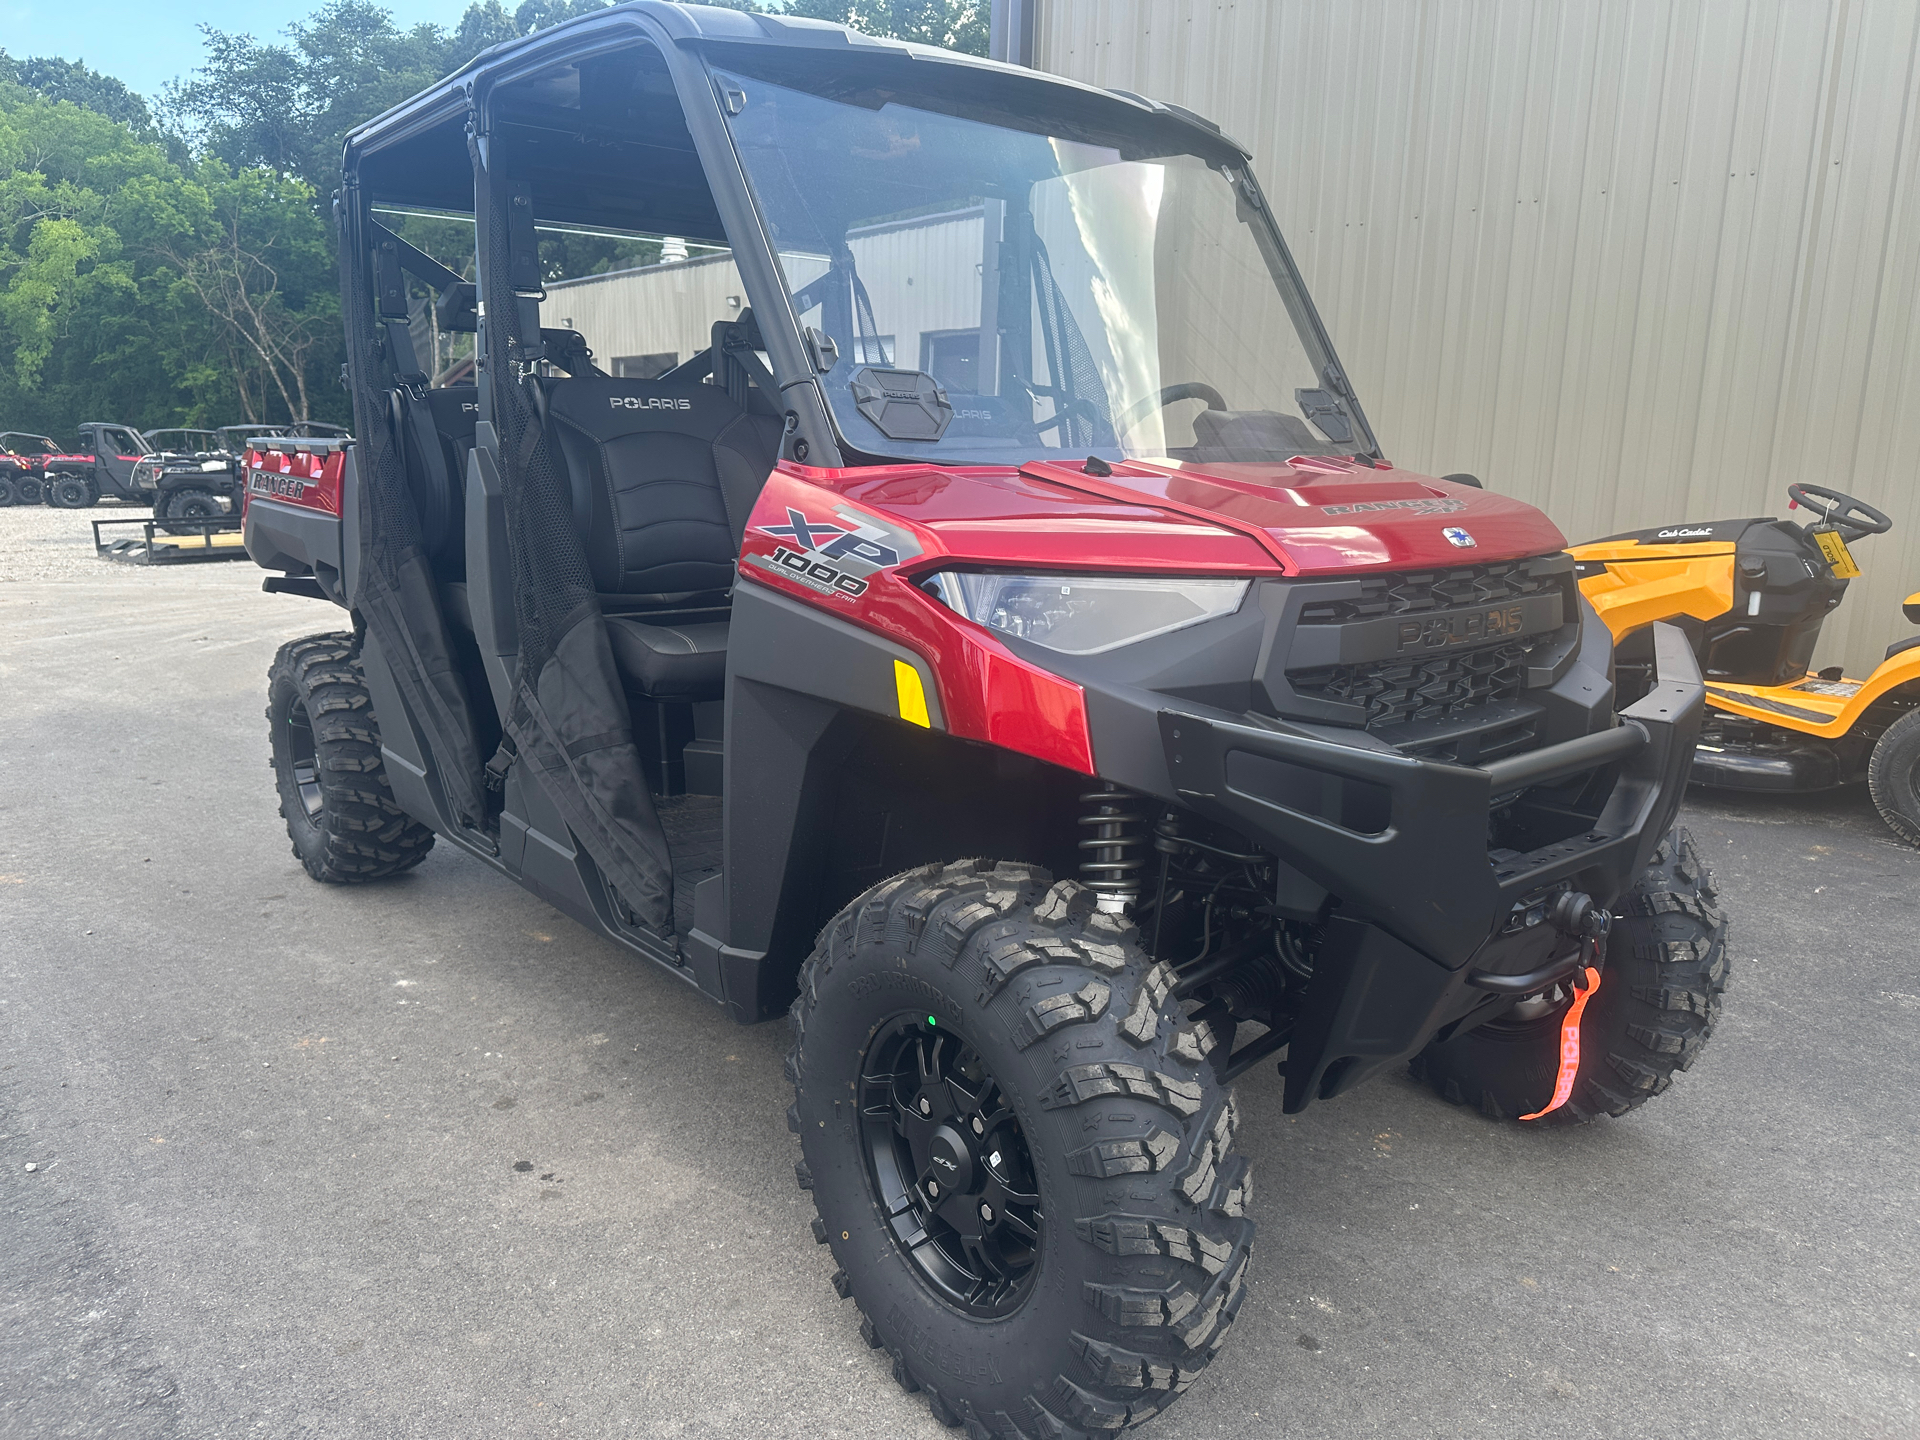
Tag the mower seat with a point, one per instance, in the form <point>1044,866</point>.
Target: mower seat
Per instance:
<point>662,476</point>
<point>1911,642</point>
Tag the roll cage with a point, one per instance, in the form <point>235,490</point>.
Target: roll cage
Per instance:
<point>424,152</point>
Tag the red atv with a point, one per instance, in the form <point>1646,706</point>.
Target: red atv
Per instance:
<point>999,644</point>
<point>23,467</point>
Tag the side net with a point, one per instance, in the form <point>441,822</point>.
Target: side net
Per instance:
<point>396,594</point>
<point>569,719</point>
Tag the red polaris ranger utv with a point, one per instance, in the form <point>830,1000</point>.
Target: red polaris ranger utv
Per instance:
<point>991,635</point>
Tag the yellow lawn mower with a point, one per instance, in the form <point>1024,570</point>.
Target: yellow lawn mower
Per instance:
<point>1751,596</point>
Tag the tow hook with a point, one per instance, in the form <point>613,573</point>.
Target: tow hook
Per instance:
<point>1573,914</point>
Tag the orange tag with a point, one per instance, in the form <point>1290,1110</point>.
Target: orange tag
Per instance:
<point>1570,1044</point>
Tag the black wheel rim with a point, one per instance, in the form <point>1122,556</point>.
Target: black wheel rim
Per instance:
<point>302,760</point>
<point>950,1167</point>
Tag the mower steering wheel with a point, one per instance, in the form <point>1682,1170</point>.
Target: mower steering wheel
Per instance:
<point>1842,511</point>
<point>1188,390</point>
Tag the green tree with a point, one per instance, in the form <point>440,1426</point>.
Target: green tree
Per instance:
<point>951,24</point>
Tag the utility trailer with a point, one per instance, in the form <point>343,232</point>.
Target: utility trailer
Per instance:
<point>1023,670</point>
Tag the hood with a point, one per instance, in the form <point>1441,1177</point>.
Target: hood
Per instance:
<point>1322,514</point>
<point>1308,516</point>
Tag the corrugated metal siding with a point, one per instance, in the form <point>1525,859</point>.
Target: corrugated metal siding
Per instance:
<point>1636,261</point>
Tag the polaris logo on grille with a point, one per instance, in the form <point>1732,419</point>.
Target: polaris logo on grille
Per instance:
<point>648,402</point>
<point>1436,632</point>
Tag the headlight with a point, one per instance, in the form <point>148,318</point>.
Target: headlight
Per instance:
<point>1084,614</point>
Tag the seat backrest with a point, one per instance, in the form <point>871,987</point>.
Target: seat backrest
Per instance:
<point>439,490</point>
<point>663,476</point>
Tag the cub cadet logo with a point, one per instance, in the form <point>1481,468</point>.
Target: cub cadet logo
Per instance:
<point>1685,532</point>
<point>1438,631</point>
<point>946,1164</point>
<point>647,402</point>
<point>1417,507</point>
<point>265,482</point>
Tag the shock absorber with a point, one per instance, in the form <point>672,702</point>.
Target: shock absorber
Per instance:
<point>1114,847</point>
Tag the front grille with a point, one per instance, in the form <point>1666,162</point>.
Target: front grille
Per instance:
<point>1432,687</point>
<point>1421,591</point>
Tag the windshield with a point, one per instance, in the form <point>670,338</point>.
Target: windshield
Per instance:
<point>982,293</point>
<point>123,442</point>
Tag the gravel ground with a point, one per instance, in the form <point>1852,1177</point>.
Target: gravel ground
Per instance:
<point>40,543</point>
<point>427,1159</point>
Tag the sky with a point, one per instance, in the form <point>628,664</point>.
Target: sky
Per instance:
<point>149,42</point>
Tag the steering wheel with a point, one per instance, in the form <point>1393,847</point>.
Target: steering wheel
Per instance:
<point>1189,390</point>
<point>1853,518</point>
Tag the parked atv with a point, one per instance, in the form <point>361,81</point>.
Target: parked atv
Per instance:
<point>182,485</point>
<point>23,467</point>
<point>1751,596</point>
<point>1054,731</point>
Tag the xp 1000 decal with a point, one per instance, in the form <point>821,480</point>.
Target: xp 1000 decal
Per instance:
<point>836,555</point>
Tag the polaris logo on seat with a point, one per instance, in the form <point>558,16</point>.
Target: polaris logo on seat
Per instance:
<point>648,402</point>
<point>1438,631</point>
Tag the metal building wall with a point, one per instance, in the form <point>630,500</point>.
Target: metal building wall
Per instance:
<point>1636,261</point>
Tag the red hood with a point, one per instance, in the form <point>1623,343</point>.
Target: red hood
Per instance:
<point>1317,514</point>
<point>1308,516</point>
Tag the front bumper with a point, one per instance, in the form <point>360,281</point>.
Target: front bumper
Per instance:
<point>1426,908</point>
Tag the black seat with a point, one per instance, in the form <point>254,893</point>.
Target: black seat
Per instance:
<point>1907,644</point>
<point>439,489</point>
<point>670,661</point>
<point>663,475</point>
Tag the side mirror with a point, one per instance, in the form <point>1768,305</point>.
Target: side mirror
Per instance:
<point>1465,479</point>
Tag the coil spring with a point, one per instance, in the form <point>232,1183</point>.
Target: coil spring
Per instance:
<point>1114,847</point>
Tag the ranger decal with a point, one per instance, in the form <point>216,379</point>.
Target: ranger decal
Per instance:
<point>1436,506</point>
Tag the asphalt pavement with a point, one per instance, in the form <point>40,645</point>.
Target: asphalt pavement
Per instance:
<point>425,1158</point>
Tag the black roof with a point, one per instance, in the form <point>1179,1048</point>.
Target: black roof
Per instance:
<point>711,26</point>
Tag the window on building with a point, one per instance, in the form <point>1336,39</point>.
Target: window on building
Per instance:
<point>953,358</point>
<point>645,367</point>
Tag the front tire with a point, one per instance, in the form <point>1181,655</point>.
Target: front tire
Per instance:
<point>334,794</point>
<point>1893,777</point>
<point>69,492</point>
<point>1659,996</point>
<point>1086,1254</point>
<point>7,491</point>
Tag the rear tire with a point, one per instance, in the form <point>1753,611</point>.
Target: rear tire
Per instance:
<point>28,490</point>
<point>1893,777</point>
<point>1099,1105</point>
<point>7,484</point>
<point>189,504</point>
<point>1658,999</point>
<point>334,795</point>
